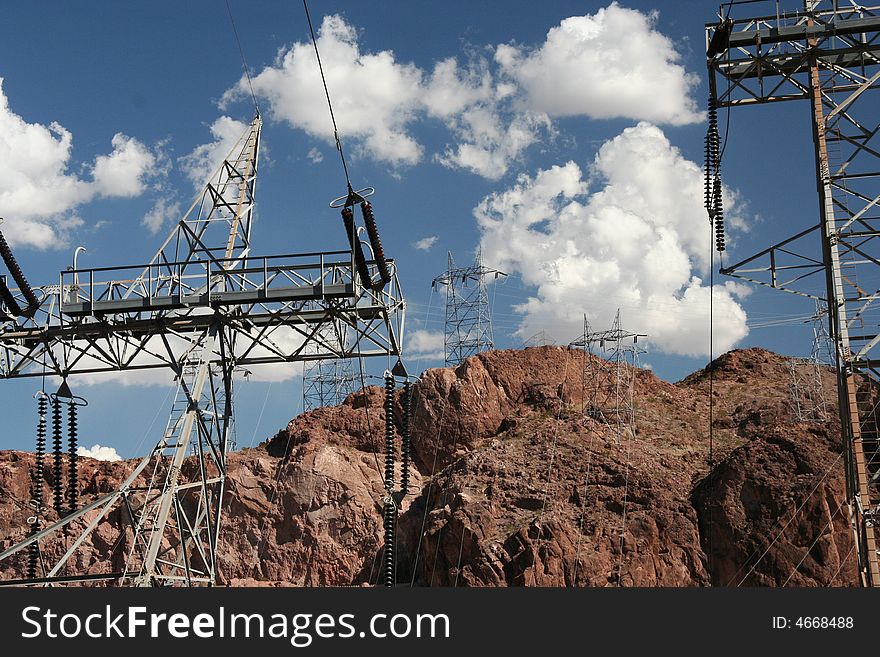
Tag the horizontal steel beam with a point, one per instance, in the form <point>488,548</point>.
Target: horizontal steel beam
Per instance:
<point>209,300</point>
<point>802,32</point>
<point>61,579</point>
<point>787,64</point>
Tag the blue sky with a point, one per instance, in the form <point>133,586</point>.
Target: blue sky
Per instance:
<point>474,122</point>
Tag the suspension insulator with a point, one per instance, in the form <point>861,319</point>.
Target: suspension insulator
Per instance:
<point>355,243</point>
<point>719,216</point>
<point>17,274</point>
<point>712,153</point>
<point>405,444</point>
<point>33,557</point>
<point>389,432</point>
<point>713,199</point>
<point>37,475</point>
<point>57,457</point>
<point>390,509</point>
<point>375,242</point>
<point>389,520</point>
<point>72,478</point>
<point>709,196</point>
<point>12,307</point>
<point>40,452</point>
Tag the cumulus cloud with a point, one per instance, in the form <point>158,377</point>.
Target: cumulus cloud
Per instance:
<point>38,190</point>
<point>425,243</point>
<point>374,96</point>
<point>613,63</point>
<point>638,243</point>
<point>123,172</point>
<point>161,214</point>
<point>451,89</point>
<point>425,344</point>
<point>99,452</point>
<point>488,145</point>
<point>610,64</point>
<point>202,162</point>
<point>315,156</point>
<point>490,130</point>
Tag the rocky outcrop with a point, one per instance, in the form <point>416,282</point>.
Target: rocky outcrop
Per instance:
<point>772,513</point>
<point>301,510</point>
<point>516,484</point>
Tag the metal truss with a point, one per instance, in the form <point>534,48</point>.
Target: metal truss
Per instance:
<point>468,328</point>
<point>809,401</point>
<point>826,53</point>
<point>611,362</point>
<point>609,374</point>
<point>205,308</point>
<point>327,382</point>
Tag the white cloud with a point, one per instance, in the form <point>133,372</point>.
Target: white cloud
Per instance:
<point>636,243</point>
<point>124,171</point>
<point>374,96</point>
<point>160,214</point>
<point>610,64</point>
<point>487,146</point>
<point>425,243</point>
<point>425,344</point>
<point>99,452</point>
<point>38,192</point>
<point>490,133</point>
<point>202,162</point>
<point>315,156</point>
<point>451,90</point>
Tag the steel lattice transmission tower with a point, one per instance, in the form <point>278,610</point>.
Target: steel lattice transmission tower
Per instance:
<point>203,307</point>
<point>611,364</point>
<point>327,382</point>
<point>826,53</point>
<point>468,328</point>
<point>611,360</point>
<point>809,401</point>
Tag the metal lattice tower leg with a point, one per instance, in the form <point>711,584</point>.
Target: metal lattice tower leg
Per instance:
<point>829,55</point>
<point>468,328</point>
<point>177,516</point>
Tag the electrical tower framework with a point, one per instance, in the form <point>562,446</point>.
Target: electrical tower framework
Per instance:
<point>327,382</point>
<point>611,363</point>
<point>468,327</point>
<point>611,360</point>
<point>205,308</point>
<point>809,401</point>
<point>827,53</point>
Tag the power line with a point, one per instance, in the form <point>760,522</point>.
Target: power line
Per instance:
<point>327,94</point>
<point>247,71</point>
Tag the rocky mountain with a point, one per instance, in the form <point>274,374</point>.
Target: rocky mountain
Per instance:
<point>518,479</point>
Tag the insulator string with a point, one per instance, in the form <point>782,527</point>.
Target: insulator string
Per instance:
<point>57,457</point>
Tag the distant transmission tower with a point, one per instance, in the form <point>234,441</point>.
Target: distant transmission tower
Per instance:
<point>539,339</point>
<point>609,376</point>
<point>611,360</point>
<point>809,402</point>
<point>468,315</point>
<point>327,382</point>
